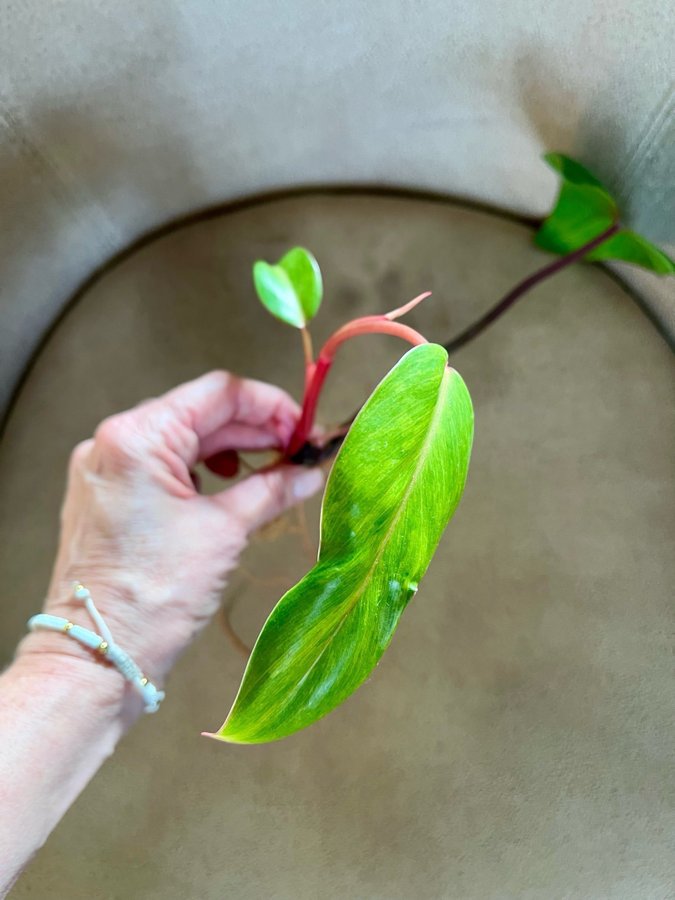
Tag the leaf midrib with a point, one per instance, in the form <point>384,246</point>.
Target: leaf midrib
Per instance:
<point>424,453</point>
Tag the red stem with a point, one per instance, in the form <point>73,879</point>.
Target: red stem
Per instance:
<point>524,286</point>
<point>365,325</point>
<point>370,325</point>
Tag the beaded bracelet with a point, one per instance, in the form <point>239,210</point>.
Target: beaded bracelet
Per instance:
<point>102,643</point>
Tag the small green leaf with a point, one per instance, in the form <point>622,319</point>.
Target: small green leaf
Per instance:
<point>394,485</point>
<point>571,170</point>
<point>292,289</point>
<point>585,209</point>
<point>633,248</point>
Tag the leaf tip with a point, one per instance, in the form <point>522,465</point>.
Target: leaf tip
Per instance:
<point>411,304</point>
<point>221,737</point>
<point>259,266</point>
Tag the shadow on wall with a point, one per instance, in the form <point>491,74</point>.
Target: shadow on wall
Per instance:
<point>69,181</point>
<point>639,168</point>
<point>80,182</point>
<point>74,195</point>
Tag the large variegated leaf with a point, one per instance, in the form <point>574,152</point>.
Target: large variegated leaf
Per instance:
<point>393,488</point>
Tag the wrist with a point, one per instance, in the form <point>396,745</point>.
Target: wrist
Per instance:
<point>58,665</point>
<point>62,717</point>
<point>123,603</point>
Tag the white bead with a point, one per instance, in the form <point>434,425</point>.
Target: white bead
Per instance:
<point>103,643</point>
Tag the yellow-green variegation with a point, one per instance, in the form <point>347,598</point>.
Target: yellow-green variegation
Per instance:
<point>292,288</point>
<point>394,486</point>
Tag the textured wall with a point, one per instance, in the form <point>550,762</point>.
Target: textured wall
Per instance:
<point>115,117</point>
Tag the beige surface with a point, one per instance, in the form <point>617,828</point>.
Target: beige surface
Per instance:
<point>516,741</point>
<point>115,117</point>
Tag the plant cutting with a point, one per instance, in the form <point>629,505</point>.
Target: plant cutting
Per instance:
<point>397,478</point>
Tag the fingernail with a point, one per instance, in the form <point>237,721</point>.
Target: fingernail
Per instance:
<point>307,483</point>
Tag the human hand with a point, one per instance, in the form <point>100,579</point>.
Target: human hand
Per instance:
<point>155,553</point>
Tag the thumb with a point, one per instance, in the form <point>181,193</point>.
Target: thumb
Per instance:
<point>264,496</point>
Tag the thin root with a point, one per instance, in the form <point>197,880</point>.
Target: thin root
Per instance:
<point>228,628</point>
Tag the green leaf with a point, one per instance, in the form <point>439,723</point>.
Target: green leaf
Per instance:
<point>633,248</point>
<point>292,289</point>
<point>571,170</point>
<point>585,209</point>
<point>394,485</point>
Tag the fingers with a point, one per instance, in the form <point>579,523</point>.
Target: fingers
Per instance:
<point>79,456</point>
<point>238,437</point>
<point>215,400</point>
<point>264,496</point>
<point>198,419</point>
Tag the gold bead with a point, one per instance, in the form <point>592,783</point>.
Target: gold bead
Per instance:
<point>144,681</point>
<point>103,647</point>
<point>67,626</point>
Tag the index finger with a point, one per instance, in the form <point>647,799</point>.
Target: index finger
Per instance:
<point>220,398</point>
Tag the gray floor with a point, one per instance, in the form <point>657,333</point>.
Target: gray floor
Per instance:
<point>517,739</point>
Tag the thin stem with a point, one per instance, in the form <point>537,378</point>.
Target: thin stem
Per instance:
<point>229,630</point>
<point>309,454</point>
<point>365,325</point>
<point>523,287</point>
<point>308,351</point>
<point>313,390</point>
<point>369,325</point>
<point>307,346</point>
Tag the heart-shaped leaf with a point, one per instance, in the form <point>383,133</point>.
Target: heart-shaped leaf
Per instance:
<point>572,172</point>
<point>633,248</point>
<point>585,209</point>
<point>292,289</point>
<point>394,485</point>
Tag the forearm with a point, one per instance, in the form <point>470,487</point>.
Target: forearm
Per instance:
<point>155,553</point>
<point>60,718</point>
